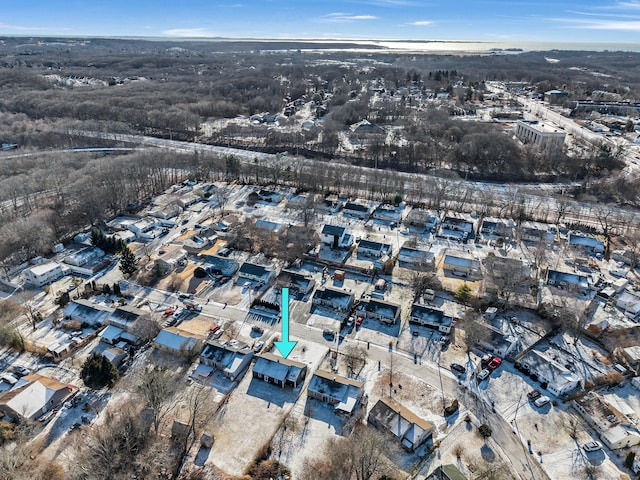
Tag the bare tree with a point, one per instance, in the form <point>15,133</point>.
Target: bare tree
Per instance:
<point>157,387</point>
<point>474,329</point>
<point>355,357</point>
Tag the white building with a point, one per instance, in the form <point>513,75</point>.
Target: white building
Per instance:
<point>42,274</point>
<point>541,135</point>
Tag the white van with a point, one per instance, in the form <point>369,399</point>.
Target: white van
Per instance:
<point>541,401</point>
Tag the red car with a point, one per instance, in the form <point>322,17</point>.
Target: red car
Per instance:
<point>495,363</point>
<point>358,321</point>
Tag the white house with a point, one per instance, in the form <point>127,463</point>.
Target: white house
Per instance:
<point>336,236</point>
<point>177,341</point>
<point>559,379</point>
<point>430,317</point>
<point>232,360</point>
<point>42,274</point>
<point>340,392</point>
<point>615,429</point>
<point>34,395</point>
<point>629,303</point>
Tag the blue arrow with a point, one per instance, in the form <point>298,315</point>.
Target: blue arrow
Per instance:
<point>285,346</point>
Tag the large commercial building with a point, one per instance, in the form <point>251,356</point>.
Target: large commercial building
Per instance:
<point>542,135</point>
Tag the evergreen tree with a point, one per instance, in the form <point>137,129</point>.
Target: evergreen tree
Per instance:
<point>98,371</point>
<point>128,262</point>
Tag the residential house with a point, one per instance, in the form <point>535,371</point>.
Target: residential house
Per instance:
<point>591,246</point>
<point>505,273</point>
<point>369,248</point>
<point>177,341</point>
<point>364,132</point>
<point>333,299</point>
<point>391,417</point>
<point>43,274</point>
<point>379,310</point>
<point>86,261</point>
<point>457,226</point>
<point>569,281</point>
<point>415,258</point>
<point>217,265</point>
<point>632,357</point>
<point>33,396</point>
<point>535,232</point>
<point>340,392</point>
<point>268,226</point>
<point>115,355</point>
<point>269,196</point>
<point>279,371</point>
<point>614,428</point>
<point>629,303</point>
<point>387,213</point>
<point>496,228</point>
<point>430,317</point>
<point>422,219</point>
<point>296,282</point>
<point>172,257</point>
<point>461,266</point>
<point>124,317</point>
<point>330,205</point>
<point>560,380</point>
<point>232,360</point>
<point>356,210</point>
<point>256,273</point>
<point>164,212</point>
<point>336,236</point>
<point>446,472</point>
<point>143,228</point>
<point>85,311</point>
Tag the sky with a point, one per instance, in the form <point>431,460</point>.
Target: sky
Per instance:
<point>607,21</point>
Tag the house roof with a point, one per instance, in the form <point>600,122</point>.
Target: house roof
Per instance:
<point>345,390</point>
<point>567,277</point>
<point>356,207</point>
<point>279,368</point>
<point>32,394</point>
<point>433,315</point>
<point>460,262</point>
<point>44,268</point>
<point>333,230</point>
<point>550,370</point>
<point>384,309</point>
<point>371,245</point>
<point>254,270</point>
<point>585,241</point>
<point>399,420</point>
<point>178,340</point>
<point>333,294</point>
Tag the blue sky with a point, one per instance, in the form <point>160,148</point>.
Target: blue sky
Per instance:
<point>511,20</point>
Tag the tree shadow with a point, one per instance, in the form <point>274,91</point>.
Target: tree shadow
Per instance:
<point>487,454</point>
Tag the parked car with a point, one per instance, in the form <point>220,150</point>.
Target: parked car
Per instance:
<point>494,363</point>
<point>21,371</point>
<point>534,394</point>
<point>591,446</point>
<point>458,368</point>
<point>541,401</point>
<point>327,333</point>
<point>257,329</point>
<point>258,346</point>
<point>483,375</point>
<point>358,321</point>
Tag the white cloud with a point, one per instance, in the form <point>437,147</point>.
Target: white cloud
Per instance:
<point>339,17</point>
<point>188,32</point>
<point>25,28</point>
<point>420,23</point>
<point>613,25</point>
